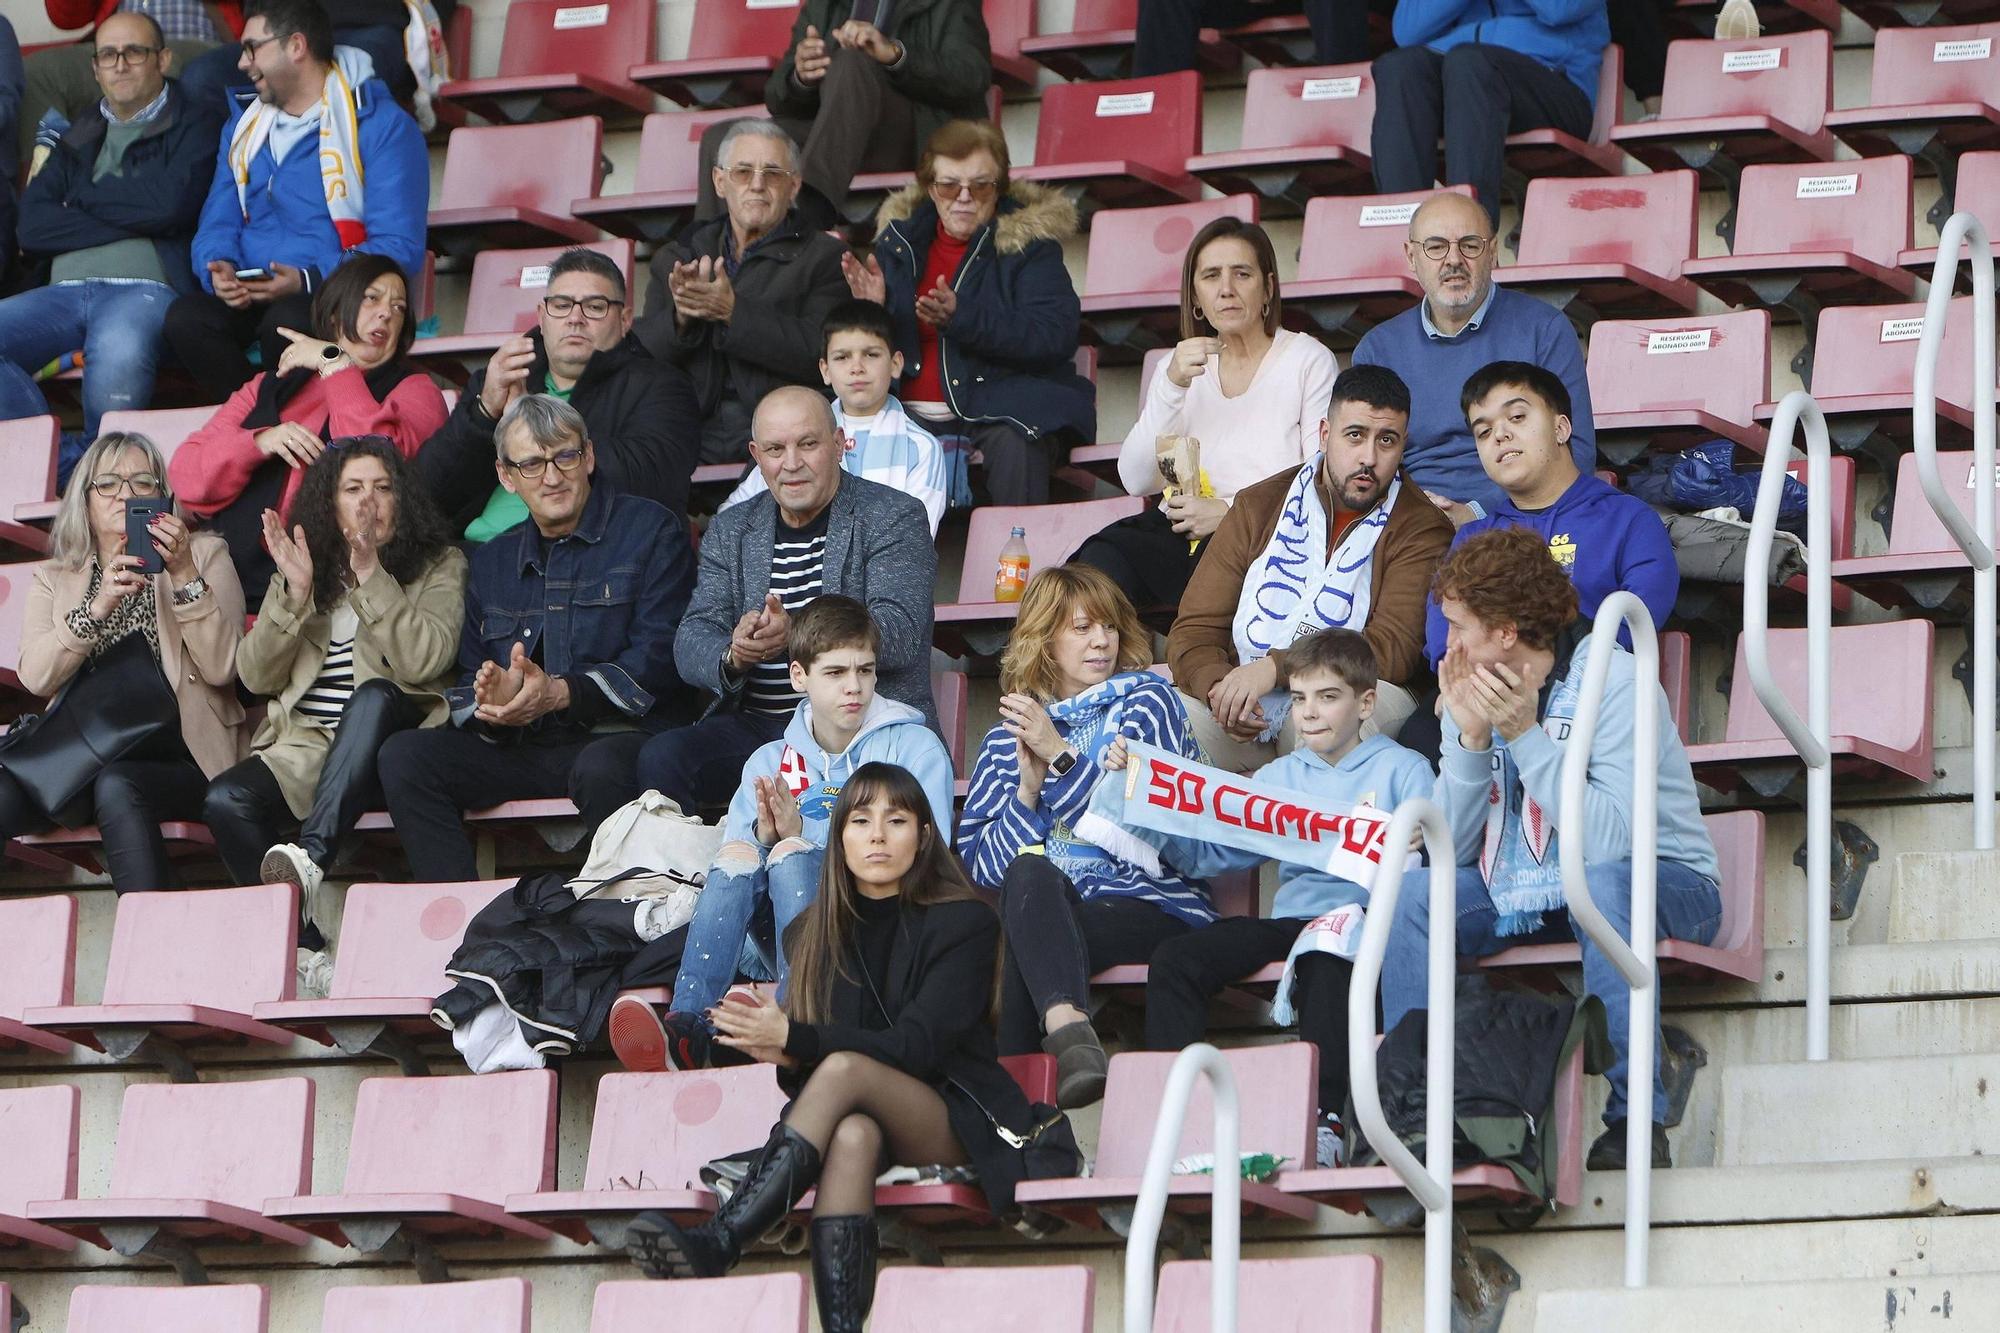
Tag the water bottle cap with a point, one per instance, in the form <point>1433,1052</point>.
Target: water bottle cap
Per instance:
<point>1018,532</point>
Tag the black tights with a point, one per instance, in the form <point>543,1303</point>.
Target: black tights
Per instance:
<point>862,1114</point>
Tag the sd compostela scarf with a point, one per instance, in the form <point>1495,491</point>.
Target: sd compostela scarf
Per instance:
<point>339,153</point>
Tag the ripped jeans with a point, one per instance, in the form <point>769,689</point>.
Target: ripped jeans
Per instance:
<point>720,943</point>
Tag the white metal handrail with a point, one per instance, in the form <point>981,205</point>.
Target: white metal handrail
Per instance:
<point>1974,537</point>
<point>1635,961</point>
<point>1811,736</point>
<point>1431,1182</point>
<point>1225,1235</point>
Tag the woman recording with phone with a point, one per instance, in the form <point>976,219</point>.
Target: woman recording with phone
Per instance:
<point>142,665</point>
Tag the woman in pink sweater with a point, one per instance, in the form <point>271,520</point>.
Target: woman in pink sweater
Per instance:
<point>253,451</point>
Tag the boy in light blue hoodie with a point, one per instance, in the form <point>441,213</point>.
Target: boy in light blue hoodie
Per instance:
<point>778,823</point>
<point>1332,686</point>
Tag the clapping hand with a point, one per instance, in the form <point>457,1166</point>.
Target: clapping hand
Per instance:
<point>702,290</point>
<point>290,553</point>
<point>777,812</point>
<point>364,554</point>
<point>936,306</point>
<point>517,695</point>
<point>756,1027</point>
<point>810,61</point>
<point>506,376</point>
<point>864,278</point>
<point>865,37</point>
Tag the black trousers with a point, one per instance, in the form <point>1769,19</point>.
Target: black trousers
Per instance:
<point>209,337</point>
<point>1640,27</point>
<point>1169,29</point>
<point>129,798</point>
<point>1145,557</point>
<point>1186,973</point>
<point>1474,96</point>
<point>700,764</point>
<point>1056,940</point>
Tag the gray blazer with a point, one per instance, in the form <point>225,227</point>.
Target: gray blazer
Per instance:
<point>878,551</point>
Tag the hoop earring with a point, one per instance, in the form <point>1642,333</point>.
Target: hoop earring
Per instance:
<point>1199,316</point>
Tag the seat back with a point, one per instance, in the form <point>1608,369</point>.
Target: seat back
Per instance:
<point>1359,236</point>
<point>950,690</point>
<point>767,1303</point>
<point>1053,533</point>
<point>1154,121</point>
<point>498,1305</point>
<point>221,948</point>
<point>551,37</point>
<point>1609,107</point>
<point>1326,1293</point>
<point>1862,208</point>
<point>39,1127</point>
<point>732,29</point>
<point>164,426</point>
<point>15,583</point>
<point>1142,249</point>
<point>542,166</point>
<point>670,146</point>
<point>395,939</point>
<point>1978,190</point>
<point>37,949</point>
<point>1915,528</point>
<point>656,1131</point>
<point>233,1309</point>
<point>1840,470</point>
<point>1787,77</point>
<point>1870,349</point>
<point>484,1138</point>
<point>235,1143</point>
<point>27,462</point>
<point>1720,363</point>
<point>507,285</point>
<point>1008,24</point>
<point>1645,221</point>
<point>1676,670</point>
<point>1863,657</point>
<point>1325,106</point>
<point>1277,1093</point>
<point>1914,66</point>
<point>984,1300</point>
<point>1738,836</point>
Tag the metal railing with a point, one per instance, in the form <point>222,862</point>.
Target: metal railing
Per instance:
<point>1431,1182</point>
<point>1812,735</point>
<point>1635,960</point>
<point>1225,1240</point>
<point>1975,536</point>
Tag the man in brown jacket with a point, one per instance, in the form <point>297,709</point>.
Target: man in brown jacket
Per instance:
<point>1345,542</point>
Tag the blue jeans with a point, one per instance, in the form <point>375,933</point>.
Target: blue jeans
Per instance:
<point>117,324</point>
<point>719,942</point>
<point>1689,910</point>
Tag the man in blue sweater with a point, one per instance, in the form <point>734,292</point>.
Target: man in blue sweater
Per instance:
<point>1463,323</point>
<point>1604,539</point>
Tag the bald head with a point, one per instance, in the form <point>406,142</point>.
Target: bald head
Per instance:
<point>1451,251</point>
<point>797,448</point>
<point>131,82</point>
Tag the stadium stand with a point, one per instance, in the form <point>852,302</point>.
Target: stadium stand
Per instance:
<point>1053,534</point>
<point>40,1127</point>
<point>562,60</point>
<point>37,967</point>
<point>666,180</point>
<point>1667,383</point>
<point>1099,44</point>
<point>511,186</point>
<point>498,1305</point>
<point>916,1300</point>
<point>1352,271</point>
<point>1120,144</point>
<point>1132,288</point>
<point>1305,134</point>
<point>1923,569</point>
<point>733,45</point>
<point>27,480</point>
<point>1728,105</point>
<point>231,1309</point>
<point>1608,249</point>
<point>767,1303</point>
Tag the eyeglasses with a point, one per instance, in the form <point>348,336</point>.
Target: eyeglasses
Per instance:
<point>567,461</point>
<point>945,190</point>
<point>109,484</point>
<point>250,45</point>
<point>747,175</point>
<point>1469,247</point>
<point>594,307</point>
<point>105,57</point>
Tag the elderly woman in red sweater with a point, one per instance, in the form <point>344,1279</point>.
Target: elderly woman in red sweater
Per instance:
<point>354,379</point>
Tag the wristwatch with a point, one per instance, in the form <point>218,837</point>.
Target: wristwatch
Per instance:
<point>191,592</point>
<point>1063,763</point>
<point>330,353</point>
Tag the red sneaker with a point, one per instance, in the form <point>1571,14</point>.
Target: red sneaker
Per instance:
<point>638,1038</point>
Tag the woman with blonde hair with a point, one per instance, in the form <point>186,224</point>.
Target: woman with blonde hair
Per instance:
<point>1074,678</point>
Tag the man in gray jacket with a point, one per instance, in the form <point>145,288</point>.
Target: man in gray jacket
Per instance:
<point>816,530</point>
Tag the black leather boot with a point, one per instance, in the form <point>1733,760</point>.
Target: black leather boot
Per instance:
<point>843,1257</point>
<point>783,1170</point>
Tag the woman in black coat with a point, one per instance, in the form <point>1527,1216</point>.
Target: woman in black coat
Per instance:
<point>883,1037</point>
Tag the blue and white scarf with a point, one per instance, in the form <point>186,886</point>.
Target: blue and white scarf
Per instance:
<point>1092,718</point>
<point>1518,856</point>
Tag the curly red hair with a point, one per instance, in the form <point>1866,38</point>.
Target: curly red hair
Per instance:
<point>1506,576</point>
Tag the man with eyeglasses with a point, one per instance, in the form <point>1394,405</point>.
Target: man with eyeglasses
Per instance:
<point>112,211</point>
<point>737,302</point>
<point>640,412</point>
<point>59,78</point>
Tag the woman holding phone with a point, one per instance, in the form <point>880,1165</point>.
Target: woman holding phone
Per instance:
<point>91,600</point>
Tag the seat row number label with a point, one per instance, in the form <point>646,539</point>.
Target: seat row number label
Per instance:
<point>1125,104</point>
<point>1666,342</point>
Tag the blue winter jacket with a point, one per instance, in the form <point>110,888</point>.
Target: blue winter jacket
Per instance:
<point>1569,35</point>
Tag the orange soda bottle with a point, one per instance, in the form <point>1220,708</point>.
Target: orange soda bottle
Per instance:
<point>1010,580</point>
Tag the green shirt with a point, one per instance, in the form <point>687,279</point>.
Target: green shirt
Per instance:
<point>504,509</point>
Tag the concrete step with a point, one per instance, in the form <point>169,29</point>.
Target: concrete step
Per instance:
<point>1944,896</point>
<point>1864,1306</point>
<point>1859,1110</point>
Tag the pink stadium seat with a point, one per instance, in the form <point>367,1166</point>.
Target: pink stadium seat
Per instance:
<point>1353,271</point>
<point>505,293</point>
<point>1325,1293</point>
<point>1552,152</point>
<point>15,582</point>
<point>767,1303</point>
<point>1667,383</point>
<point>732,49</point>
<point>984,1300</point>
<point>1923,567</point>
<point>1933,93</point>
<point>437,1158</point>
<point>1099,43</point>
<point>1763,99</point>
<point>1120,144</point>
<point>498,1305</point>
<point>234,1309</point>
<point>523,816</point>
<point>1306,133</point>
<point>511,185</point>
<point>39,1127</point>
<point>1878,734</point>
<point>1008,24</point>
<point>165,427</point>
<point>37,946</point>
<point>558,60</point>
<point>1054,532</point>
<point>175,1175</point>
<point>1275,1086</point>
<point>1676,678</point>
<point>1609,249</point>
<point>951,692</point>
<point>1864,368</point>
<point>27,480</point>
<point>1234,893</point>
<point>1132,282</point>
<point>188,966</point>
<point>1976,190</point>
<point>666,180</point>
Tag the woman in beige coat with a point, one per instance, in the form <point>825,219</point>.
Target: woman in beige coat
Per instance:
<point>357,640</point>
<point>89,596</point>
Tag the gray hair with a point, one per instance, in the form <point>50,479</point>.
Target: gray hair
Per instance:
<point>550,423</point>
<point>756,127</point>
<point>71,541</point>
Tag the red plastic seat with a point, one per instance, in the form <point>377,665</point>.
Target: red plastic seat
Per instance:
<point>1120,145</point>
<point>511,185</point>
<point>1306,132</point>
<point>1933,93</point>
<point>1053,533</point>
<point>1923,567</point>
<point>1976,191</point>
<point>1234,893</point>
<point>1762,99</point>
<point>165,427</point>
<point>951,691</point>
<point>233,1309</point>
<point>39,1127</point>
<point>1099,43</point>
<point>1667,383</point>
<point>767,1303</point>
<point>1008,24</point>
<point>667,179</point>
<point>37,946</point>
<point>1327,1293</point>
<point>15,581</point>
<point>1553,152</point>
<point>506,289</point>
<point>1132,281</point>
<point>27,480</point>
<point>1353,272</point>
<point>1609,249</point>
<point>196,1161</point>
<point>559,59</point>
<point>985,1300</point>
<point>1864,368</point>
<point>498,1305</point>
<point>733,46</point>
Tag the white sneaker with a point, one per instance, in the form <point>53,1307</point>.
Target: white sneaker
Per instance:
<point>287,863</point>
<point>315,974</point>
<point>1737,22</point>
<point>1327,1145</point>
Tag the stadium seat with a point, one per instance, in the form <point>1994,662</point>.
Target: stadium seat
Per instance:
<point>1306,133</point>
<point>193,1166</point>
<point>1120,145</point>
<point>1008,24</point>
<point>505,291</point>
<point>1553,152</point>
<point>1132,282</point>
<point>1923,568</point>
<point>951,691</point>
<point>1677,679</point>
<point>1864,367</point>
<point>1934,93</point>
<point>1090,463</point>
<point>37,946</point>
<point>1099,43</point>
<point>1326,1293</point>
<point>562,60</point>
<point>232,1309</point>
<point>39,1127</point>
<point>497,1305</point>
<point>1353,272</point>
<point>1731,104</point>
<point>1054,532</point>
<point>1234,893</point>
<point>510,186</point>
<point>1976,191</point>
<point>1609,249</point>
<point>165,427</point>
<point>15,582</point>
<point>27,480</point>
<point>1668,383</point>
<point>733,46</point>
<point>766,1303</point>
<point>1878,734</point>
<point>987,1299</point>
<point>188,966</point>
<point>1275,1088</point>
<point>666,180</point>
<point>395,940</point>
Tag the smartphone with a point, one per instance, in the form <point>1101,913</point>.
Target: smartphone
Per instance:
<point>140,511</point>
<point>252,274</point>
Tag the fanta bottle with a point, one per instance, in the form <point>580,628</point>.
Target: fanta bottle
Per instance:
<point>1010,580</point>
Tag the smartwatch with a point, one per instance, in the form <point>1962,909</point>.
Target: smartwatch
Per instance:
<point>1063,763</point>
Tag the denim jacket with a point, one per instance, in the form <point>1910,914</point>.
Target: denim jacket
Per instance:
<point>600,609</point>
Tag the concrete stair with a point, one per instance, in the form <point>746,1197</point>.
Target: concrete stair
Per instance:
<point>1862,1306</point>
